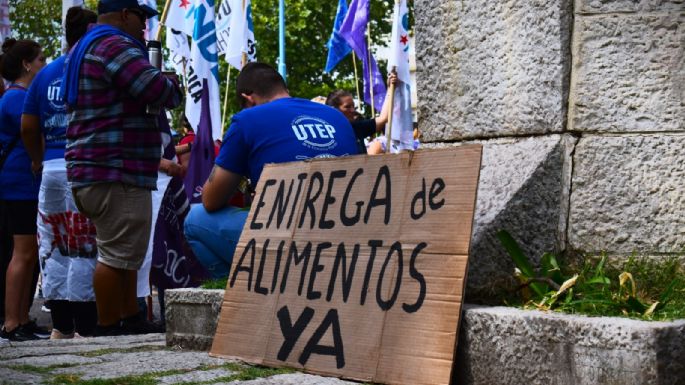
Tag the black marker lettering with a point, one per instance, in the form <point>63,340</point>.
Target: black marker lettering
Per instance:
<point>254,225</point>
<point>329,199</point>
<point>383,172</point>
<point>419,278</point>
<point>309,201</point>
<point>351,221</point>
<point>330,322</point>
<point>387,305</point>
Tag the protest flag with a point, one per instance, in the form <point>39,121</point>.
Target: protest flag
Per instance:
<point>401,123</point>
<point>181,16</point>
<point>202,154</point>
<point>337,46</point>
<point>179,49</point>
<point>5,27</point>
<point>66,4</point>
<point>353,30</point>
<point>169,262</point>
<point>196,18</point>
<point>152,23</point>
<point>241,35</point>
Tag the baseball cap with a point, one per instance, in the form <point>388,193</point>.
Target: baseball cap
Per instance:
<point>107,6</point>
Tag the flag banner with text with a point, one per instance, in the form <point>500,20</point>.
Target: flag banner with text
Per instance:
<point>196,18</point>
<point>236,32</point>
<point>354,267</point>
<point>402,121</point>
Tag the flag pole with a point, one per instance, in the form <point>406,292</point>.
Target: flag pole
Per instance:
<point>388,134</point>
<point>228,82</point>
<point>243,57</point>
<point>162,20</point>
<point>356,77</point>
<point>368,51</point>
<point>281,38</point>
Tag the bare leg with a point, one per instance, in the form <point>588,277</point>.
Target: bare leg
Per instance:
<point>130,292</point>
<point>18,281</point>
<point>107,284</point>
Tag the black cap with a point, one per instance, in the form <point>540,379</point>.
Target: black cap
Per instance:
<point>107,6</point>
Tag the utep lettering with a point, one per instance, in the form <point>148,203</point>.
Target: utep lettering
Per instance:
<point>319,191</point>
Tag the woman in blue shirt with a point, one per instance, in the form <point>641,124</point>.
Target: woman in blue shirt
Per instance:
<point>67,246</point>
<point>21,61</point>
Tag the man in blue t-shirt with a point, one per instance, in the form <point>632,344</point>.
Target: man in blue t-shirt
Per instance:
<point>272,128</point>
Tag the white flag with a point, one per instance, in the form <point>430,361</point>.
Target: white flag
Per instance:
<point>241,34</point>
<point>179,50</point>
<point>152,24</point>
<point>203,65</point>
<point>223,21</point>
<point>402,122</point>
<point>182,14</point>
<point>66,4</point>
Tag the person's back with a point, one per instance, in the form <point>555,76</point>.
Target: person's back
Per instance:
<point>273,128</point>
<point>284,130</point>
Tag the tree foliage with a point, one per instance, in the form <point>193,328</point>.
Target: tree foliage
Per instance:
<point>38,20</point>
<point>308,27</point>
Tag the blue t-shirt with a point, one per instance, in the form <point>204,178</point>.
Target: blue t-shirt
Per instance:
<point>17,182</point>
<point>43,100</point>
<point>284,130</point>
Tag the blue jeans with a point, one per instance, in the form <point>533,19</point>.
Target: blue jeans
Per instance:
<point>214,236</point>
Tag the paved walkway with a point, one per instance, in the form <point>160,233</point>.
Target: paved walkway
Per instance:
<point>132,360</point>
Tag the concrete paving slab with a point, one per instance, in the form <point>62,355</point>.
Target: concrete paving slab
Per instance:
<point>52,360</point>
<point>13,377</point>
<point>195,376</point>
<point>293,379</point>
<point>131,364</point>
<point>75,346</point>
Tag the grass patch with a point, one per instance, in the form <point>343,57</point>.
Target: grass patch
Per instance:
<point>241,372</point>
<point>143,379</point>
<point>143,348</point>
<point>215,283</point>
<point>246,372</point>
<point>641,288</point>
<point>31,369</point>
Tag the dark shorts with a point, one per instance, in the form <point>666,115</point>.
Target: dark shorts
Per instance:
<point>19,217</point>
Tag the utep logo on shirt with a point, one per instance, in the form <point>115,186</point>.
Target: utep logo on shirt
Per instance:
<point>53,95</point>
<point>314,133</point>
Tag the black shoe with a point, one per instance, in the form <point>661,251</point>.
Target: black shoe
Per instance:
<point>19,334</point>
<point>139,325</point>
<point>39,332</point>
<point>108,331</point>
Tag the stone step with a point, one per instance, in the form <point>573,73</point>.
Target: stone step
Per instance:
<point>503,345</point>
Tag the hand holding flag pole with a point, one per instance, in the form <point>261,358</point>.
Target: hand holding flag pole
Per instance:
<point>391,96</point>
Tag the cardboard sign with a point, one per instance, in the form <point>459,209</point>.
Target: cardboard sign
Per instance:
<point>354,267</point>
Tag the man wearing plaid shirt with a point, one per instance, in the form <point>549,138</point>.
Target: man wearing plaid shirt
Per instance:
<point>114,150</point>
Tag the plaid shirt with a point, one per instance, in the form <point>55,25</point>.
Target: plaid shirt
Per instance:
<point>110,137</point>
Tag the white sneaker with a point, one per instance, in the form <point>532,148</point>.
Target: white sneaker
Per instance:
<point>45,309</point>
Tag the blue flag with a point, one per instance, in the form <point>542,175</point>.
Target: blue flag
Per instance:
<point>337,46</point>
<point>353,30</point>
<point>202,154</point>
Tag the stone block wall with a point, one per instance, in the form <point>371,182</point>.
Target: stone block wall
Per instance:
<point>580,106</point>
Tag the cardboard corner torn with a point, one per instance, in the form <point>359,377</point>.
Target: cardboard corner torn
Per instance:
<point>354,267</point>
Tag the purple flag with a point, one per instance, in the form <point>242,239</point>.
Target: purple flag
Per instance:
<point>202,154</point>
<point>173,262</point>
<point>353,30</point>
